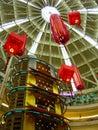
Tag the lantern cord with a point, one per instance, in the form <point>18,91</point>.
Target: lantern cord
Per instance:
<point>7,62</point>
<point>65,109</point>
<point>3,86</point>
<point>70,89</point>
<point>81,27</point>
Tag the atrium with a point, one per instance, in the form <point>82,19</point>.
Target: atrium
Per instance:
<point>32,17</point>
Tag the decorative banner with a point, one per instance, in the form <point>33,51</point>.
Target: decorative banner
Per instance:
<point>74,18</point>
<point>66,73</point>
<point>59,29</point>
<point>77,79</point>
<point>15,44</point>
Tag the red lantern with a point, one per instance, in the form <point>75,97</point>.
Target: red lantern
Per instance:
<point>77,79</point>
<point>15,44</point>
<point>66,73</point>
<point>59,29</point>
<point>74,18</point>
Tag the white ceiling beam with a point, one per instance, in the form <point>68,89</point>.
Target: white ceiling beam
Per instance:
<point>89,11</point>
<point>12,24</point>
<point>67,62</point>
<point>65,55</point>
<point>58,2</point>
<point>36,42</point>
<point>87,38</point>
<point>29,3</point>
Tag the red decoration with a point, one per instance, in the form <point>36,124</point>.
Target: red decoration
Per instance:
<point>59,29</point>
<point>74,18</point>
<point>15,44</point>
<point>97,74</point>
<point>66,73</point>
<point>77,79</point>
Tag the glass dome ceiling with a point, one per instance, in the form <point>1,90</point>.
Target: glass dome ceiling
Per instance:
<point>26,16</point>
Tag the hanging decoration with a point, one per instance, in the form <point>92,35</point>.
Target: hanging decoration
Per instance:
<point>74,18</point>
<point>77,79</point>
<point>15,44</point>
<point>66,73</point>
<point>59,29</point>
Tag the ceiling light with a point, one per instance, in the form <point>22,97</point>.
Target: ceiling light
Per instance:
<point>5,105</point>
<point>47,11</point>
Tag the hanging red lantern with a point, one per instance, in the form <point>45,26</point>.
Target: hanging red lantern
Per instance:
<point>15,44</point>
<point>77,79</point>
<point>59,29</point>
<point>66,73</point>
<point>74,18</point>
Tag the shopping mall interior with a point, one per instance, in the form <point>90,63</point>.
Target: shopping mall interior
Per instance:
<point>35,93</point>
